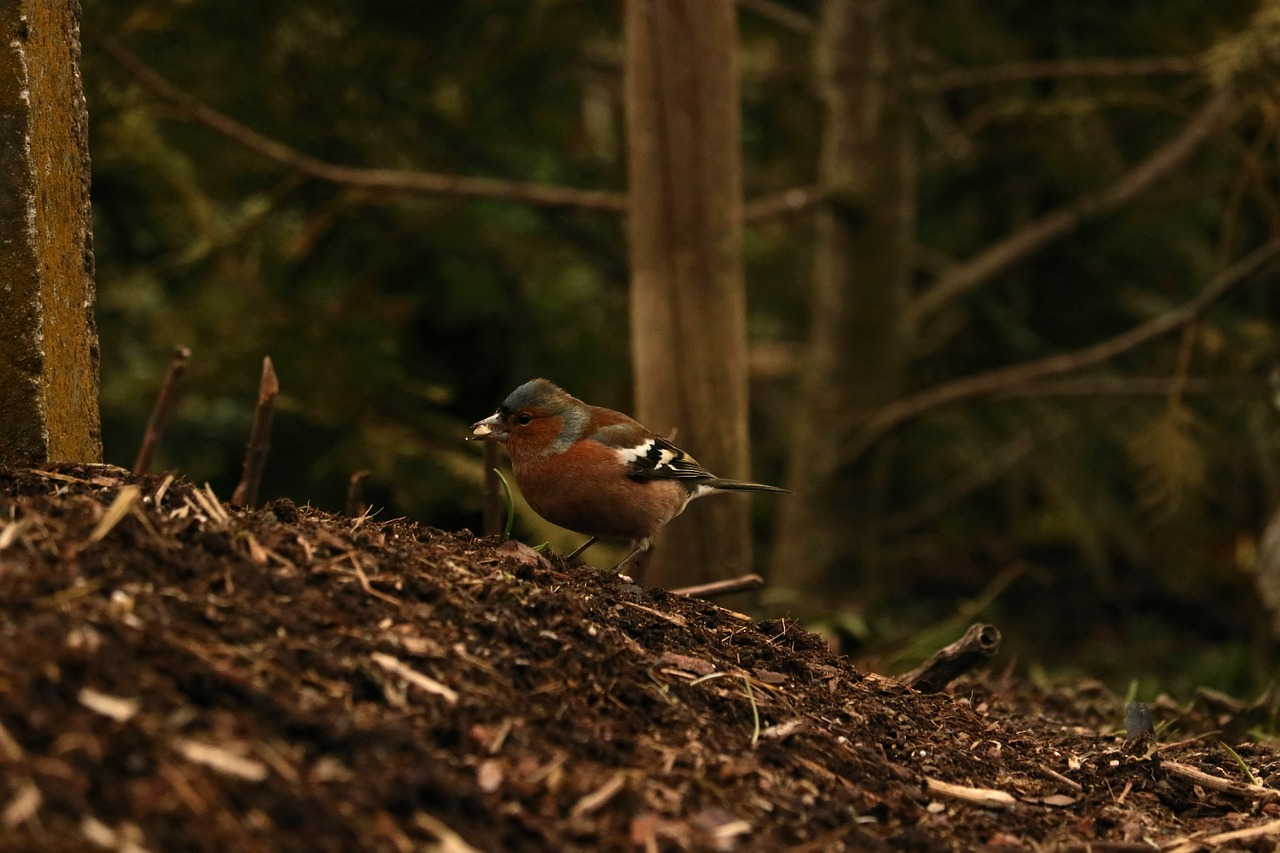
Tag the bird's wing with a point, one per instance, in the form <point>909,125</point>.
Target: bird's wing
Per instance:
<point>651,457</point>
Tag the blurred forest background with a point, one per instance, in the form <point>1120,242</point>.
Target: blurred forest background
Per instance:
<point>1011,299</point>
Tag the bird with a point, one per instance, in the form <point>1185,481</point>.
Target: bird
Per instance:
<point>596,471</point>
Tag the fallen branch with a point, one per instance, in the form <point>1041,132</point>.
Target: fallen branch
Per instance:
<point>255,457</point>
<point>728,586</point>
<point>160,414</point>
<point>977,645</point>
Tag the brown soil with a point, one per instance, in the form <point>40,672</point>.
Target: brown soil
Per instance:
<point>178,676</point>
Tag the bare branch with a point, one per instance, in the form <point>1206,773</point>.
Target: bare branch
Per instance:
<point>1006,379</point>
<point>1143,386</point>
<point>990,469</point>
<point>160,414</point>
<point>779,14</point>
<point>255,457</point>
<point>356,506</point>
<point>793,200</point>
<point>386,179</point>
<point>1034,235</point>
<point>1018,72</point>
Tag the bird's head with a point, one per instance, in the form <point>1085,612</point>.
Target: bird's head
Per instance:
<point>538,416</point>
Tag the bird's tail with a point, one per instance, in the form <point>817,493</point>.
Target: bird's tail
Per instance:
<point>740,486</point>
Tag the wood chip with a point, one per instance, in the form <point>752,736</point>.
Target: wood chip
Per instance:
<point>102,835</point>
<point>688,663</point>
<point>987,797</point>
<point>24,805</point>
<point>222,760</point>
<point>9,533</point>
<point>10,749</point>
<point>489,776</point>
<point>448,841</point>
<point>673,618</point>
<point>781,730</point>
<point>120,507</point>
<point>599,797</point>
<point>119,708</point>
<point>417,679</point>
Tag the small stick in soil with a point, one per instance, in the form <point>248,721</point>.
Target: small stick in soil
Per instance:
<point>978,644</point>
<point>356,506</point>
<point>160,414</point>
<point>728,586</point>
<point>493,499</point>
<point>1217,783</point>
<point>255,457</point>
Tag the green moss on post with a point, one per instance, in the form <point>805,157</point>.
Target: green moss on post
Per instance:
<point>48,341</point>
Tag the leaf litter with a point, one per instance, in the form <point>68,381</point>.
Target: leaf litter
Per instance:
<point>176,674</point>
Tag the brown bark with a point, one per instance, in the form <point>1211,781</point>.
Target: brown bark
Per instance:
<point>48,342</point>
<point>978,645</point>
<point>687,301</point>
<point>862,269</point>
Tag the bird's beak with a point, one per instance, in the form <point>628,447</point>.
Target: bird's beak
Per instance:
<point>490,429</point>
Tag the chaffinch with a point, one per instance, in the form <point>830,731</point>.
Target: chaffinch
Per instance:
<point>596,471</point>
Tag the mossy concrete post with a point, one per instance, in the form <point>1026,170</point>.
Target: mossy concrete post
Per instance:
<point>48,341</point>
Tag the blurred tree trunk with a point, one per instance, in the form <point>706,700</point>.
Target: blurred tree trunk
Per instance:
<point>48,342</point>
<point>688,313</point>
<point>862,276</point>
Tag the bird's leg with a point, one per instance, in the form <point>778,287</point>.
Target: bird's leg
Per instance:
<point>637,552</point>
<point>576,551</point>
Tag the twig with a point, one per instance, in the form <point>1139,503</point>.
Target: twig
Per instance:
<point>160,414</point>
<point>593,801</point>
<point>255,457</point>
<point>742,583</point>
<point>356,506</point>
<point>1143,386</point>
<point>1271,828</point>
<point>988,797</point>
<point>989,469</point>
<point>793,200</point>
<point>369,588</point>
<point>779,14</point>
<point>1032,236</point>
<point>1017,72</point>
<point>1002,380</point>
<point>1217,783</point>
<point>388,179</point>
<point>422,682</point>
<point>123,504</point>
<point>492,500</point>
<point>978,644</point>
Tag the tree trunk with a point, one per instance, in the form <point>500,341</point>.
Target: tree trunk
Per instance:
<point>862,275</point>
<point>688,312</point>
<point>48,341</point>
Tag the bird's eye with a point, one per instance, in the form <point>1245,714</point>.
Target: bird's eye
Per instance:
<point>524,419</point>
